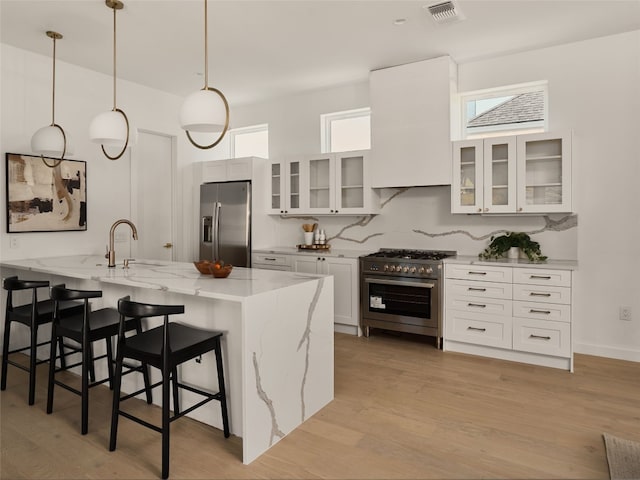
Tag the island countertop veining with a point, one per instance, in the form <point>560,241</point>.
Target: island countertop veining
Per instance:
<point>277,335</point>
<point>176,277</point>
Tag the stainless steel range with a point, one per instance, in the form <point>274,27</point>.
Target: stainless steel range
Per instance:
<point>400,290</point>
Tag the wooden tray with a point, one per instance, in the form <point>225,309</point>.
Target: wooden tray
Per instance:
<point>315,246</point>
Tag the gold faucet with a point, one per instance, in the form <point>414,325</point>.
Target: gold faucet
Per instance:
<point>111,253</point>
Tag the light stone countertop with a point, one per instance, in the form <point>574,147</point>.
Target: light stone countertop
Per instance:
<point>177,277</point>
<point>332,252</point>
<point>520,263</point>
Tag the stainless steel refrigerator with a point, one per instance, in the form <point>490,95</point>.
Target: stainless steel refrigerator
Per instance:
<point>225,222</point>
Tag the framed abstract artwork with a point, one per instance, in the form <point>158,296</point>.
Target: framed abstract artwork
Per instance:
<point>44,199</point>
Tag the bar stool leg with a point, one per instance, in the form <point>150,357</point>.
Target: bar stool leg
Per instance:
<point>109,362</point>
<point>221,389</point>
<point>176,399</point>
<point>87,361</point>
<point>33,351</point>
<point>115,411</point>
<point>52,367</point>
<point>165,418</point>
<point>5,353</point>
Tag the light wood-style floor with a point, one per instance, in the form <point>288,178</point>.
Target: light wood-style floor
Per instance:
<point>402,409</point>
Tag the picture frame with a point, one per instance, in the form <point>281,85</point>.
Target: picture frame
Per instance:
<point>44,199</point>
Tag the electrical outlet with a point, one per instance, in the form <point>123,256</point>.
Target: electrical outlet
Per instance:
<point>625,314</point>
<point>13,243</point>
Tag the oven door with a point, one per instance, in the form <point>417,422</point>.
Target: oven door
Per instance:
<point>400,302</point>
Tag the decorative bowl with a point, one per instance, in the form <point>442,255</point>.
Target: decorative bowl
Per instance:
<point>204,266</point>
<point>221,271</point>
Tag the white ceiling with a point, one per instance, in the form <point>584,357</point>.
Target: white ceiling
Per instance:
<point>263,49</point>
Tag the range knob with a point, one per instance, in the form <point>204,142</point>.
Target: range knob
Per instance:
<point>385,268</point>
<point>405,269</point>
<point>392,268</point>
<point>429,270</point>
<point>412,270</point>
<point>421,270</point>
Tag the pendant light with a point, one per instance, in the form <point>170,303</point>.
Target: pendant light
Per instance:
<point>51,141</point>
<point>206,110</point>
<point>111,128</point>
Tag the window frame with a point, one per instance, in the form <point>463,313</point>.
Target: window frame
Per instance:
<point>504,91</point>
<point>327,118</point>
<point>234,132</point>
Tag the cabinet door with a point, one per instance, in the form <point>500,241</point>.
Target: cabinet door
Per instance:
<point>544,173</point>
<point>345,284</point>
<point>319,183</point>
<point>351,185</point>
<point>466,187</point>
<point>306,263</point>
<point>499,175</point>
<point>277,197</point>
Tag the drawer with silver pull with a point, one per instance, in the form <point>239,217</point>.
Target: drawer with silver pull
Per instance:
<point>544,294</point>
<point>478,328</point>
<point>549,311</point>
<point>470,288</point>
<point>479,272</point>
<point>266,260</point>
<point>544,337</point>
<point>493,306</point>
<point>538,276</point>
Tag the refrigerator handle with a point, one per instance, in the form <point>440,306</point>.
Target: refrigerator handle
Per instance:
<point>216,231</point>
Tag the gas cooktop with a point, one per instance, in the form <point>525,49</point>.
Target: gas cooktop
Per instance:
<point>406,254</point>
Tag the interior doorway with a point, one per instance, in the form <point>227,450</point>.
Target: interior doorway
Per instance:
<point>152,195</point>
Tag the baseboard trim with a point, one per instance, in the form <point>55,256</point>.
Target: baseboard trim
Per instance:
<point>618,353</point>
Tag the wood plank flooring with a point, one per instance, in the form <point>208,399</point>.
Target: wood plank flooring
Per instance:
<point>402,409</point>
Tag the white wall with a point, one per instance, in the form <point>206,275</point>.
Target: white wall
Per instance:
<point>593,90</point>
<point>80,95</point>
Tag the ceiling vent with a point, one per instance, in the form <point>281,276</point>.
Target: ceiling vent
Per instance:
<point>445,12</point>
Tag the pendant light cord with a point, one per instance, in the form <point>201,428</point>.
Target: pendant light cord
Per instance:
<point>53,96</point>
<point>114,59</point>
<point>206,47</point>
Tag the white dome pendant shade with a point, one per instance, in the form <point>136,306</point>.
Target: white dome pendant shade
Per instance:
<point>111,128</point>
<point>206,110</point>
<point>51,141</point>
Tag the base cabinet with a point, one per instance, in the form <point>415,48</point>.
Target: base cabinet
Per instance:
<point>513,313</point>
<point>345,281</point>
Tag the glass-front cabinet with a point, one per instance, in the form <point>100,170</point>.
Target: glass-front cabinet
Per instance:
<point>324,184</point>
<point>512,174</point>
<point>285,187</point>
<point>466,188</point>
<point>544,173</point>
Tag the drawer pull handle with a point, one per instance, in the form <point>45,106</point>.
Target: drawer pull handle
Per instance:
<point>546,312</point>
<point>477,273</point>
<point>473,289</point>
<point>537,294</point>
<point>270,259</point>
<point>539,337</point>
<point>476,305</point>
<point>541,277</point>
<point>477,329</point>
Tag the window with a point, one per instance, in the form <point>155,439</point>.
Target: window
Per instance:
<point>345,131</point>
<point>509,110</point>
<point>249,141</point>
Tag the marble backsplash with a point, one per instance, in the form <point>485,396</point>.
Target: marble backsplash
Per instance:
<point>420,217</point>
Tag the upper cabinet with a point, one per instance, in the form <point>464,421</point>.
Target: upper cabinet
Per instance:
<point>515,174</point>
<point>324,184</point>
<point>411,123</point>
<point>227,170</point>
<point>284,187</point>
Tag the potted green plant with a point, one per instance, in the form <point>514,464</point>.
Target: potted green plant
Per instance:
<point>500,245</point>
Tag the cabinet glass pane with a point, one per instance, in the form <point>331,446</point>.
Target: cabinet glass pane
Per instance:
<point>543,167</point>
<point>500,174</point>
<point>275,185</point>
<point>467,176</point>
<point>319,181</point>
<point>352,174</point>
<point>294,185</point>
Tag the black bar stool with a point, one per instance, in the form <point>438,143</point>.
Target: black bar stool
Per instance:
<point>85,328</point>
<point>32,315</point>
<point>164,347</point>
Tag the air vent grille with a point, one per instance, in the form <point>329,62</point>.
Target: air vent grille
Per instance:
<point>445,12</point>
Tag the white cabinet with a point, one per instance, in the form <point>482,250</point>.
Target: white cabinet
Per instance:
<point>514,313</point>
<point>324,184</point>
<point>227,170</point>
<point>284,191</point>
<point>514,174</point>
<point>412,122</point>
<point>345,281</point>
<point>271,261</point>
<point>339,183</point>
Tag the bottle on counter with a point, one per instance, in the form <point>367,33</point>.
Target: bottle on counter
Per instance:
<point>316,238</point>
<point>323,237</point>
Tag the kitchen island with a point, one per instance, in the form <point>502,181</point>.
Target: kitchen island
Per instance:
<point>277,343</point>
